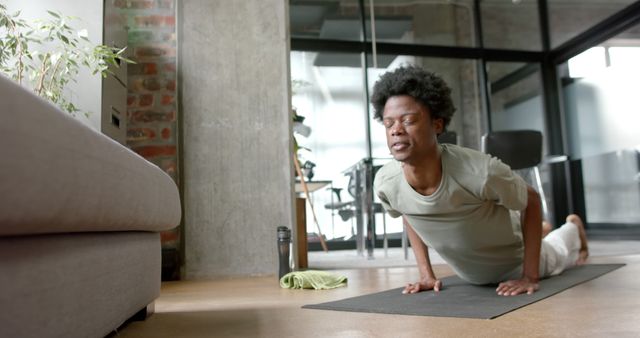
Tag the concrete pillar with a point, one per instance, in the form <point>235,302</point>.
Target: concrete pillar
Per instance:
<point>235,86</point>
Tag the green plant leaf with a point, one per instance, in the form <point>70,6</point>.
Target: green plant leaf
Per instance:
<point>54,14</point>
<point>70,51</point>
<point>63,38</point>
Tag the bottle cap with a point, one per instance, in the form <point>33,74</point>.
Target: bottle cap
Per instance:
<point>284,232</point>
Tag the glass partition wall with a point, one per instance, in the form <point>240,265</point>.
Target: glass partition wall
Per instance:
<point>499,57</point>
<point>328,91</point>
<point>517,103</point>
<point>599,88</point>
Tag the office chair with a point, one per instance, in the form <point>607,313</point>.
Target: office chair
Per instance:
<point>343,209</point>
<point>348,210</point>
<point>449,137</point>
<point>340,206</point>
<point>522,151</point>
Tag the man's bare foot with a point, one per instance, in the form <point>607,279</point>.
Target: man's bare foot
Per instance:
<point>584,249</point>
<point>546,228</point>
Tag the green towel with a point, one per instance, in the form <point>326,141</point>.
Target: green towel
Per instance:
<point>311,279</point>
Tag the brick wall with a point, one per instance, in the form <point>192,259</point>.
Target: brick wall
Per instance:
<point>151,102</point>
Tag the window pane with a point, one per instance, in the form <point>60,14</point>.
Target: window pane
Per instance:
<point>325,19</point>
<point>567,19</point>
<point>589,62</point>
<point>331,99</point>
<point>601,106</point>
<point>509,24</point>
<point>625,57</point>
<point>445,23</point>
<point>516,96</point>
<point>602,117</point>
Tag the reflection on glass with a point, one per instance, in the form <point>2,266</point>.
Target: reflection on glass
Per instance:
<point>444,23</point>
<point>509,24</point>
<point>567,19</point>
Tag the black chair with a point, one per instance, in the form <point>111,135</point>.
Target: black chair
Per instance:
<point>519,149</point>
<point>344,209</point>
<point>448,137</point>
<point>522,151</point>
<point>348,210</point>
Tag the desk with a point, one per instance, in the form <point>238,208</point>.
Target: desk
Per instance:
<point>312,185</point>
<point>301,233</point>
<point>301,221</point>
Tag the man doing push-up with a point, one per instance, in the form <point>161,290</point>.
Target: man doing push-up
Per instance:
<point>483,219</point>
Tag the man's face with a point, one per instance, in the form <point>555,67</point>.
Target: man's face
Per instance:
<point>411,132</point>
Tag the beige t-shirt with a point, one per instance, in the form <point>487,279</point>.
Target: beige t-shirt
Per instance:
<point>467,220</point>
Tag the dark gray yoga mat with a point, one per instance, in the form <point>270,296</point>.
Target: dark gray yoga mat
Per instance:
<point>463,300</point>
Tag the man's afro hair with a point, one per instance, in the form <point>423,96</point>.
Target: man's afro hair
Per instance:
<point>424,86</point>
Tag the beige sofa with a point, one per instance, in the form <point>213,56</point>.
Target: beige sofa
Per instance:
<point>80,217</point>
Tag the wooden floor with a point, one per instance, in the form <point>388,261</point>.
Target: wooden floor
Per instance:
<point>608,306</point>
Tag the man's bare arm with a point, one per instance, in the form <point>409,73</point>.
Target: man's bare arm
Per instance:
<point>428,280</point>
<point>532,236</point>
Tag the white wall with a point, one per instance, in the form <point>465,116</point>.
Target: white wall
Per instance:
<point>86,94</point>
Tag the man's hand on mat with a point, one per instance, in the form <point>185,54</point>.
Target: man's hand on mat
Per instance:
<point>516,287</point>
<point>423,285</point>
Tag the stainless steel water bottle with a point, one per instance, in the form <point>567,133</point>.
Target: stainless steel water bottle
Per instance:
<point>284,243</point>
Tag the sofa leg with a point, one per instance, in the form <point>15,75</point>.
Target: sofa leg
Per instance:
<point>139,316</point>
<point>144,313</point>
